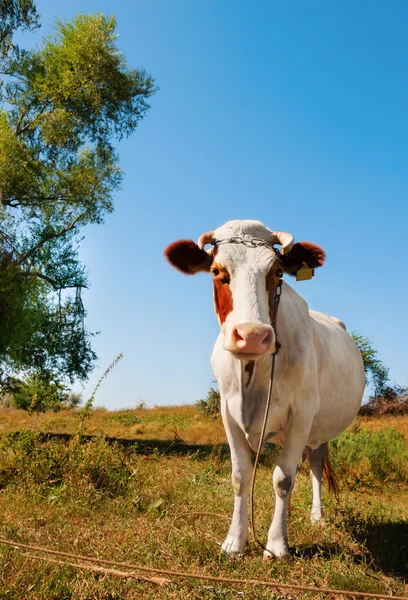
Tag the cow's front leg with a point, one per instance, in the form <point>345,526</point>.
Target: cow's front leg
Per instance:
<point>283,481</point>
<point>241,480</point>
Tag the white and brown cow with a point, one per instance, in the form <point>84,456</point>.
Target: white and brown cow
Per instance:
<point>319,378</point>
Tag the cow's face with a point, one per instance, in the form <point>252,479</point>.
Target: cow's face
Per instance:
<point>245,269</point>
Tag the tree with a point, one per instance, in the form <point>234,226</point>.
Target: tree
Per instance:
<point>376,372</point>
<point>14,15</point>
<point>62,107</point>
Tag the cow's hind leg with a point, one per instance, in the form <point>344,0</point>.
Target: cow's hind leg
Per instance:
<point>319,462</point>
<point>241,479</point>
<point>316,458</point>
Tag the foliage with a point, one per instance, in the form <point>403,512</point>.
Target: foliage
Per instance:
<point>210,406</point>
<point>14,15</point>
<point>36,393</point>
<point>63,104</point>
<point>376,372</point>
<point>365,457</point>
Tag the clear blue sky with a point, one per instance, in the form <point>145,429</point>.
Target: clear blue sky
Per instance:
<point>294,113</point>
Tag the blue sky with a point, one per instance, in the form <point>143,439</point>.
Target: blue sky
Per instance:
<point>293,113</point>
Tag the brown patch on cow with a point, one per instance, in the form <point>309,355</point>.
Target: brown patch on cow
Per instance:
<point>187,257</point>
<point>222,292</point>
<point>303,252</point>
<point>249,368</point>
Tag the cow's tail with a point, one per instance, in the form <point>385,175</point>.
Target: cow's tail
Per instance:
<point>329,472</point>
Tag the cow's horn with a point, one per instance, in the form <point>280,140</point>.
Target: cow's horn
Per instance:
<point>284,239</point>
<point>206,238</point>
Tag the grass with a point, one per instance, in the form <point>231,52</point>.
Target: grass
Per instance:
<point>130,501</point>
<point>161,423</point>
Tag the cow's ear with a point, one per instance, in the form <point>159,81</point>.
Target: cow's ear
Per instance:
<point>187,257</point>
<point>303,254</point>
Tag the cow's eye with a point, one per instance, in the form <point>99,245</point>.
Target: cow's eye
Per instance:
<point>215,271</point>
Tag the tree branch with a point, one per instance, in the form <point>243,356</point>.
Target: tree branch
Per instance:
<point>28,125</point>
<point>51,236</point>
<point>55,284</point>
<point>15,202</point>
<point>6,236</point>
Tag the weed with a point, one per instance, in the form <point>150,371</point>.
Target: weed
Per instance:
<point>141,404</point>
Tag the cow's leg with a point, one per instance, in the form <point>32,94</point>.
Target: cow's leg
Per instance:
<point>241,480</point>
<point>283,480</point>
<point>316,459</point>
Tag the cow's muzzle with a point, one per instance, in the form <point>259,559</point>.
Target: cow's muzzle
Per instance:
<point>251,341</point>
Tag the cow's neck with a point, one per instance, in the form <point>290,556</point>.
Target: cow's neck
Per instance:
<point>248,404</point>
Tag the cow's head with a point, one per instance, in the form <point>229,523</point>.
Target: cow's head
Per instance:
<point>245,268</point>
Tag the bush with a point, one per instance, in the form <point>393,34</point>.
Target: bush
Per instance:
<point>211,405</point>
<point>394,401</point>
<point>37,393</point>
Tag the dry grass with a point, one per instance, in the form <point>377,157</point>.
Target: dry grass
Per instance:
<point>170,511</point>
<point>160,423</point>
<point>374,424</point>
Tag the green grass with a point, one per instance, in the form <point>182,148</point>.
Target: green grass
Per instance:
<point>116,500</point>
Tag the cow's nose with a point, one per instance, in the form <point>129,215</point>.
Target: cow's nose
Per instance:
<point>250,338</point>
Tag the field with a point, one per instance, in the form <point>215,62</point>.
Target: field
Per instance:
<point>152,487</point>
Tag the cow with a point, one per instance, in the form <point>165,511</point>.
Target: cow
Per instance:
<point>319,375</point>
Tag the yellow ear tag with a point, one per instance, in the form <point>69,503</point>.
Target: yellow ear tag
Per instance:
<point>304,273</point>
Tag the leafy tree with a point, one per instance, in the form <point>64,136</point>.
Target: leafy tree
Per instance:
<point>376,372</point>
<point>63,105</point>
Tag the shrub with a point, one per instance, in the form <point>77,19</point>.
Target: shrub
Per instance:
<point>394,401</point>
<point>211,405</point>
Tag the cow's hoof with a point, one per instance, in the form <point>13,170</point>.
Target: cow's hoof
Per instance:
<point>316,516</point>
<point>316,520</point>
<point>279,551</point>
<point>233,546</point>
